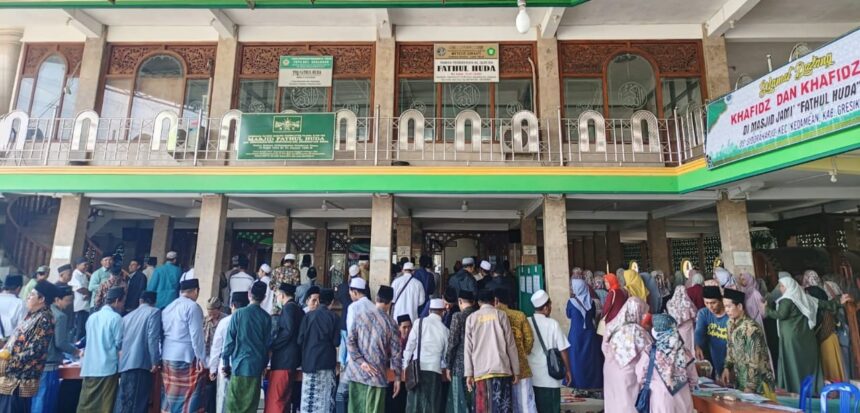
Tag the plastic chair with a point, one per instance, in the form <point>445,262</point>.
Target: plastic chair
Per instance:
<point>847,392</point>
<point>805,393</point>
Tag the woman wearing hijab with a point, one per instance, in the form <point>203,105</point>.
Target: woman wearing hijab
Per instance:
<point>674,374</point>
<point>635,285</point>
<point>833,290</point>
<point>615,298</point>
<point>752,303</point>
<point>831,354</point>
<point>664,286</point>
<point>625,342</point>
<point>796,313</point>
<point>599,287</point>
<point>682,309</point>
<point>655,300</point>
<point>586,360</point>
<point>724,277</point>
<point>696,290</point>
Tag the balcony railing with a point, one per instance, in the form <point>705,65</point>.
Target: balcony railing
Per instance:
<point>524,139</point>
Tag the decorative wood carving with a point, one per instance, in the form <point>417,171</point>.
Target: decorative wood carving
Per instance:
<point>124,59</point>
<point>349,60</point>
<point>514,59</point>
<point>415,59</point>
<point>36,52</point>
<point>589,58</point>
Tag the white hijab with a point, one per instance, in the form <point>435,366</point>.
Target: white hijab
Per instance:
<point>807,305</point>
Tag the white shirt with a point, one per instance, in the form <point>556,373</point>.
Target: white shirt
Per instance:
<point>408,295</point>
<point>218,338</point>
<point>268,302</point>
<point>552,338</point>
<point>80,280</point>
<point>11,312</point>
<point>434,344</point>
<point>240,281</point>
<point>148,272</point>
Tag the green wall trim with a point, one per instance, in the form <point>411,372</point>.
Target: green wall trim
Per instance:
<point>631,180</point>
<point>275,4</point>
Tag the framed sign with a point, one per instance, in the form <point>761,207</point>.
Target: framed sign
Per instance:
<point>276,136</point>
<point>305,71</point>
<point>466,63</point>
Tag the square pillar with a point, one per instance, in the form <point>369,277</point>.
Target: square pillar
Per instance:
<point>162,237</point>
<point>549,98</point>
<point>210,245</point>
<point>71,232</point>
<point>588,253</point>
<point>556,266</point>
<point>222,79</point>
<point>89,91</point>
<point>658,246</point>
<point>10,53</point>
<point>736,248</point>
<point>381,228</point>
<point>851,238</point>
<point>281,239</point>
<point>528,238</point>
<point>716,65</point>
<point>600,253</point>
<point>615,253</point>
<point>404,237</point>
<point>383,80</point>
<point>417,240</point>
<point>578,253</point>
<point>321,255</point>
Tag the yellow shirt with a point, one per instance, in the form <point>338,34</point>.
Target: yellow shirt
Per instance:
<point>522,337</point>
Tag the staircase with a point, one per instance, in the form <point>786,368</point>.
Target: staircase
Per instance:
<point>29,232</point>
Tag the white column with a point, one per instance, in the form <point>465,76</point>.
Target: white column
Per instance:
<point>10,53</point>
<point>556,265</point>
<point>381,228</point>
<point>210,245</point>
<point>71,232</point>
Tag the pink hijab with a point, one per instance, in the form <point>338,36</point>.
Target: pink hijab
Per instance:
<point>752,303</point>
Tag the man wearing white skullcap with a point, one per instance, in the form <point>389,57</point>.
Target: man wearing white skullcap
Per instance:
<point>408,293</point>
<point>354,296</point>
<point>547,389</point>
<point>265,276</point>
<point>434,343</point>
<point>465,278</point>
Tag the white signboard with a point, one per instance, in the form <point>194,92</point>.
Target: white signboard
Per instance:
<point>812,96</point>
<point>466,63</point>
<point>305,71</point>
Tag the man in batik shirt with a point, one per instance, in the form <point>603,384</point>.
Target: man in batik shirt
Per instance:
<point>116,279</point>
<point>26,351</point>
<point>286,273</point>
<point>747,361</point>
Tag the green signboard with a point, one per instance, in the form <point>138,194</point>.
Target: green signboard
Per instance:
<point>530,279</point>
<point>278,136</point>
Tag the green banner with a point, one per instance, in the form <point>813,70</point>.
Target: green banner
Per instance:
<point>530,279</point>
<point>277,136</point>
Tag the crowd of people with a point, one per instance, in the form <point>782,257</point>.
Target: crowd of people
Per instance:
<point>410,349</point>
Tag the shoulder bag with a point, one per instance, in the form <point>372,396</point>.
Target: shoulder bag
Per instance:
<point>643,400</point>
<point>413,369</point>
<point>554,362</point>
<point>601,326</point>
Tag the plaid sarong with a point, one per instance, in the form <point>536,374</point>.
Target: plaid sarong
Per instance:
<point>182,391</point>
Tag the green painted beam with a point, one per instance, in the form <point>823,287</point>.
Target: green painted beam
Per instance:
<point>272,4</point>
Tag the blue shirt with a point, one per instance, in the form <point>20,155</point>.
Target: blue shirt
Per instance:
<point>104,341</point>
<point>141,339</point>
<point>165,282</point>
<point>711,333</point>
<point>182,322</point>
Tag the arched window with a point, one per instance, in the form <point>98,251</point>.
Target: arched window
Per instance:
<point>631,86</point>
<point>159,86</point>
<point>47,90</point>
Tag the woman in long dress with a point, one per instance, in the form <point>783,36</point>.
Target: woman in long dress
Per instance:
<point>674,375</point>
<point>615,297</point>
<point>752,303</point>
<point>624,343</point>
<point>831,353</point>
<point>586,360</point>
<point>682,309</point>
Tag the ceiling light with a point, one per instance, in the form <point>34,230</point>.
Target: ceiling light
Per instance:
<point>324,205</point>
<point>833,177</point>
<point>464,206</point>
<point>523,22</point>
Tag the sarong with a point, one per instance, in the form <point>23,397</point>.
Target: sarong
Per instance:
<point>494,395</point>
<point>135,387</point>
<point>831,360</point>
<point>15,403</point>
<point>182,391</point>
<point>221,394</point>
<point>318,391</point>
<point>243,394</point>
<point>278,396</point>
<point>98,394</point>
<point>366,399</point>
<point>45,400</point>
<point>427,397</point>
<point>548,400</point>
<point>460,400</point>
<point>524,396</point>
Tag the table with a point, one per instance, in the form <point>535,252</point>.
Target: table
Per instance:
<point>712,405</point>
